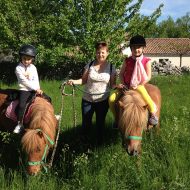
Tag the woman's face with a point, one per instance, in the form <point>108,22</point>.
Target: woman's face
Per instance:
<point>137,50</point>
<point>102,54</point>
<point>26,60</point>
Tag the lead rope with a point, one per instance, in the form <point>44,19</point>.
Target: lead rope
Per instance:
<point>58,132</point>
<point>62,87</point>
<point>74,108</point>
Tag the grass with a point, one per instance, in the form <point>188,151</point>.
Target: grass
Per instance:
<point>81,163</point>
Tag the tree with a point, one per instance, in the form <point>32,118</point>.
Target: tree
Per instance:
<point>92,21</point>
<point>144,25</point>
<point>167,29</point>
<point>64,31</point>
<point>183,25</point>
<point>171,29</point>
<point>35,22</point>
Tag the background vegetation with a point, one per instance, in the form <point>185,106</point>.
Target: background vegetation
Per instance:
<point>82,163</point>
<point>64,32</point>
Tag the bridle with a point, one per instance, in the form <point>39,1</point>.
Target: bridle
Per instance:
<point>43,160</point>
<point>131,137</point>
<point>134,138</point>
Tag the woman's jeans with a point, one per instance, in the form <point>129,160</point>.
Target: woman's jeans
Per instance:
<point>99,108</point>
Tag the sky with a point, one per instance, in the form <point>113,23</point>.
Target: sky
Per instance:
<point>174,8</point>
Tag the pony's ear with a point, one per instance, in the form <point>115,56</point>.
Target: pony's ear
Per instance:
<point>121,104</point>
<point>40,134</point>
<point>145,107</point>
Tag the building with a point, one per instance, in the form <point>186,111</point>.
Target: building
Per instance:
<point>176,50</point>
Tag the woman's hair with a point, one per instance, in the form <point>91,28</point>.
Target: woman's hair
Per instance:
<point>100,45</point>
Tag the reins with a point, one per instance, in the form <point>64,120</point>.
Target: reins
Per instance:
<point>58,133</point>
<point>89,92</point>
<point>43,160</point>
<point>78,88</point>
<point>132,137</point>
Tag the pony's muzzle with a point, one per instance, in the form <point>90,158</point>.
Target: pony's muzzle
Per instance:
<point>133,152</point>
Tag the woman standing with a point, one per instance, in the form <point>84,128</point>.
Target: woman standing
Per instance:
<point>98,77</point>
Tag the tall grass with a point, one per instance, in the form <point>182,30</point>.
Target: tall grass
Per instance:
<point>82,163</point>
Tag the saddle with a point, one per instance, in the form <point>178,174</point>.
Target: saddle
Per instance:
<point>12,105</point>
<point>11,111</point>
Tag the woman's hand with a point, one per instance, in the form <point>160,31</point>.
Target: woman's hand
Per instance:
<point>70,82</point>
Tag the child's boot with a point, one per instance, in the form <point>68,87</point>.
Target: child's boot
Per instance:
<point>18,128</point>
<point>153,120</point>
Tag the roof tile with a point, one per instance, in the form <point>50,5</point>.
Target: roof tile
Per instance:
<point>169,46</point>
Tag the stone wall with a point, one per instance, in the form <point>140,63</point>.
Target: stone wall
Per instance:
<point>165,67</point>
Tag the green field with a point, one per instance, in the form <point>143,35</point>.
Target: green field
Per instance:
<point>81,163</point>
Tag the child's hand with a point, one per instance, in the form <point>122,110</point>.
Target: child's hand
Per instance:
<point>27,76</point>
<point>120,86</point>
<point>39,91</point>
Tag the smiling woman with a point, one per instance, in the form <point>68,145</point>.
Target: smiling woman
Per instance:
<point>99,77</point>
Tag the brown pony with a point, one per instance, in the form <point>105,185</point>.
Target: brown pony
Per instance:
<point>40,131</point>
<point>133,117</point>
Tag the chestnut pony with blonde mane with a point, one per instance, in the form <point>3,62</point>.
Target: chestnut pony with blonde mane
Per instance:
<point>133,117</point>
<point>40,131</point>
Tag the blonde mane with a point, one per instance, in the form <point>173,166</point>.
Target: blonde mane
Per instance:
<point>134,114</point>
<point>42,117</point>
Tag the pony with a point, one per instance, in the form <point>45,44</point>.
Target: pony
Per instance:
<point>133,117</point>
<point>40,130</point>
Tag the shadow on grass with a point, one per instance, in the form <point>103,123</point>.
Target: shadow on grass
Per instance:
<point>72,143</point>
<point>76,142</point>
<point>9,153</point>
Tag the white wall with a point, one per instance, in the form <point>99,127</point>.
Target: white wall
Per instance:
<point>126,51</point>
<point>174,60</point>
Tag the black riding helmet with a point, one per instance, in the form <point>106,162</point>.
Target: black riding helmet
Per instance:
<point>28,50</point>
<point>137,40</point>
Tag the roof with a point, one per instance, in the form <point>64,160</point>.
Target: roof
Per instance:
<point>167,46</point>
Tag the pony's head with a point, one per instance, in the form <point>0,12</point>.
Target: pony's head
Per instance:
<point>40,135</point>
<point>133,116</point>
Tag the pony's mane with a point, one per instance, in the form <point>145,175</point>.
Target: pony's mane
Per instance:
<point>31,141</point>
<point>42,117</point>
<point>134,113</point>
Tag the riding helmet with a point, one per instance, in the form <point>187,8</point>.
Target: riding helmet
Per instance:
<point>137,40</point>
<point>28,50</point>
